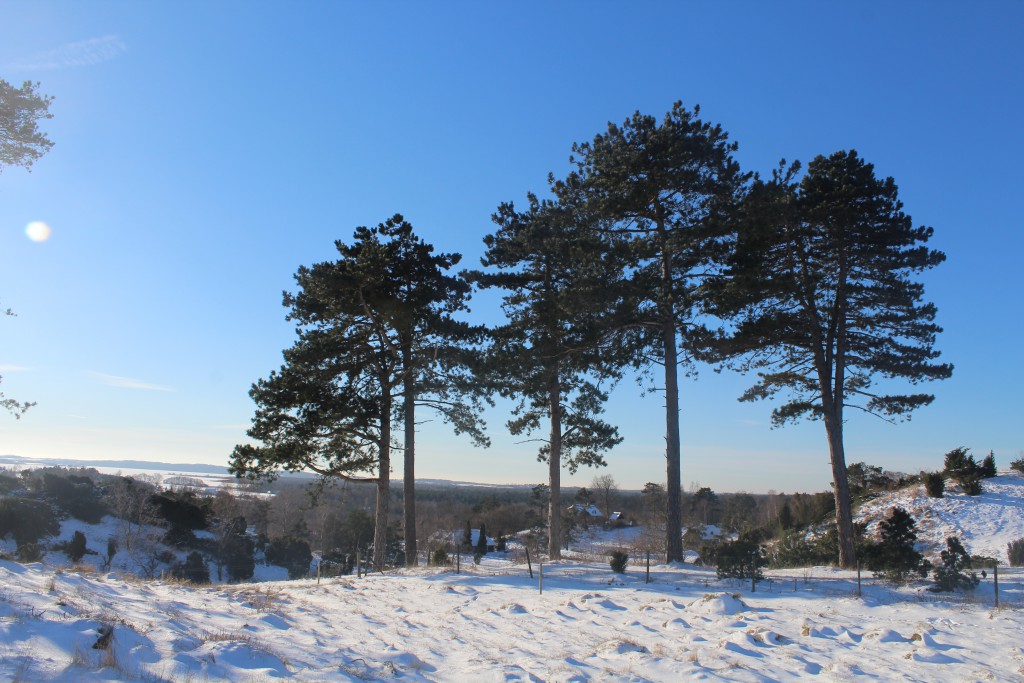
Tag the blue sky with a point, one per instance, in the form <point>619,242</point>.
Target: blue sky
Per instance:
<point>204,151</point>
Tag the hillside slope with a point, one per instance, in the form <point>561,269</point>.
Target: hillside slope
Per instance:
<point>985,524</point>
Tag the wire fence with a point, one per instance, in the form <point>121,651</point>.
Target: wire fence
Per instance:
<point>1001,586</point>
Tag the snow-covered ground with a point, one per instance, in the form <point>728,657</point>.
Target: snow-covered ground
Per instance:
<point>492,623</point>
<point>985,524</point>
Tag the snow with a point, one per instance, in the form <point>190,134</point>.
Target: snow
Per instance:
<point>985,524</point>
<point>492,623</point>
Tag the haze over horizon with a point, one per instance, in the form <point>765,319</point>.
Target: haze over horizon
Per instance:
<point>203,152</point>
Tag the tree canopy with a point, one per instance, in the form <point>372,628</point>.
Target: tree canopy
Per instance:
<point>372,326</point>
<point>669,189</point>
<point>549,356</point>
<point>825,303</point>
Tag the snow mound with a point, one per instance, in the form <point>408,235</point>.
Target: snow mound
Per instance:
<point>717,604</point>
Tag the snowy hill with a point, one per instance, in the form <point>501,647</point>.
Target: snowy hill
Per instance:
<point>985,524</point>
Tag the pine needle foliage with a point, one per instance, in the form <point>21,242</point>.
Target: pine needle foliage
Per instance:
<point>825,305</point>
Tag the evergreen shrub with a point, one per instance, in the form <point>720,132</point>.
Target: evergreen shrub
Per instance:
<point>27,520</point>
<point>1018,465</point>
<point>953,573</point>
<point>741,560</point>
<point>934,484</point>
<point>76,547</point>
<point>894,558</point>
<point>439,558</point>
<point>291,553</point>
<point>1015,552</point>
<point>194,569</point>
<point>618,561</point>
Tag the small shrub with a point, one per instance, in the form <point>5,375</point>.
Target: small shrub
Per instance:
<point>618,561</point>
<point>953,573</point>
<point>292,553</point>
<point>960,465</point>
<point>76,548</point>
<point>180,537</point>
<point>794,550</point>
<point>983,561</point>
<point>971,484</point>
<point>27,520</point>
<point>894,558</point>
<point>934,484</point>
<point>1018,465</point>
<point>741,560</point>
<point>30,552</point>
<point>439,558</point>
<point>194,569</point>
<point>988,466</point>
<point>1015,552</point>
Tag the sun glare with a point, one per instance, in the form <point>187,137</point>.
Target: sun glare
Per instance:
<point>38,231</point>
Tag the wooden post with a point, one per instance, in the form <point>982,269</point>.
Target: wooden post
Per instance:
<point>529,566</point>
<point>359,563</point>
<point>541,576</point>
<point>753,584</point>
<point>458,561</point>
<point>858,578</point>
<point>995,578</point>
<point>647,576</point>
<point>319,562</point>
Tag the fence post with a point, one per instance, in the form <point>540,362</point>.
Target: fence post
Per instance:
<point>541,562</point>
<point>458,561</point>
<point>359,563</point>
<point>529,566</point>
<point>647,578</point>
<point>858,578</point>
<point>995,578</point>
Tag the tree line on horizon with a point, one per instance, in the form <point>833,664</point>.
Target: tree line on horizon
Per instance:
<point>654,253</point>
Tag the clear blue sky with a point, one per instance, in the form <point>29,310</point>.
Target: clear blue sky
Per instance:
<point>204,151</point>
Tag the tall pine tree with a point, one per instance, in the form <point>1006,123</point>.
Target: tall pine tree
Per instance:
<point>548,355</point>
<point>667,187</point>
<point>375,338</point>
<point>825,303</point>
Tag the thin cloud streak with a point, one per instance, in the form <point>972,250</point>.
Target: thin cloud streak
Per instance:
<point>14,368</point>
<point>82,53</point>
<point>127,382</point>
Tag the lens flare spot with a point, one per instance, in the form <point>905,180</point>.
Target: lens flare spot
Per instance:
<point>38,231</point>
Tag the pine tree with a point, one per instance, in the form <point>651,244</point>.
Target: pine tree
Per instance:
<point>895,557</point>
<point>988,466</point>
<point>548,356</point>
<point>822,296</point>
<point>666,189</point>
<point>953,573</point>
<point>376,338</point>
<point>76,547</point>
<point>481,542</point>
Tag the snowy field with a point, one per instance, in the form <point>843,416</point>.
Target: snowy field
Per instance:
<point>492,623</point>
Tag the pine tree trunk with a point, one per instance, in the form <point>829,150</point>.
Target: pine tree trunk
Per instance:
<point>409,484</point>
<point>555,470</point>
<point>674,485</point>
<point>380,527</point>
<point>674,482</point>
<point>841,489</point>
